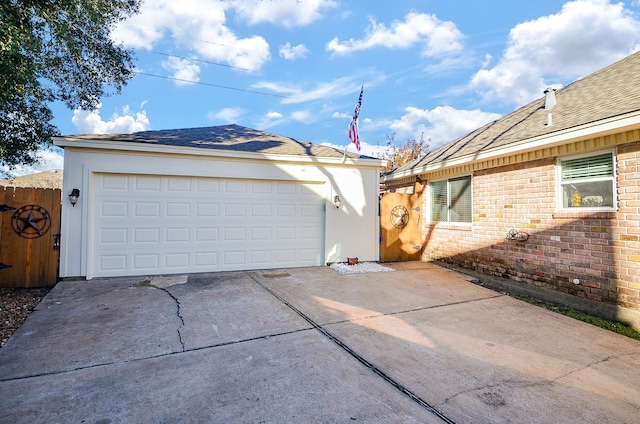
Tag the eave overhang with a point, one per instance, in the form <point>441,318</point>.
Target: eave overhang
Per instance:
<point>613,125</point>
<point>110,145</point>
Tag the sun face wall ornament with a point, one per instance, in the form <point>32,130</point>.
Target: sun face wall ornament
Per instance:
<point>399,216</point>
<point>31,221</point>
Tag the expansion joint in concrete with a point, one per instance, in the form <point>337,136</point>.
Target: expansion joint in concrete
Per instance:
<point>413,396</point>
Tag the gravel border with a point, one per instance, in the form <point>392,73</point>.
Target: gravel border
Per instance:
<point>360,268</point>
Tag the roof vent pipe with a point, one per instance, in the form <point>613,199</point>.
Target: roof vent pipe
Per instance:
<point>550,100</point>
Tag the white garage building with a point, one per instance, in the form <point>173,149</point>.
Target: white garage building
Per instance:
<point>212,199</point>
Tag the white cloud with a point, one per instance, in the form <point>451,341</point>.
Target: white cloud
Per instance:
<point>436,36</point>
<point>303,116</point>
<point>293,53</point>
<point>274,115</point>
<point>341,115</point>
<point>287,13</point>
<point>366,149</point>
<point>584,36</point>
<point>228,114</point>
<point>185,71</point>
<point>49,158</point>
<point>197,25</point>
<point>201,27</point>
<point>271,119</point>
<point>90,122</point>
<point>441,125</point>
<point>437,127</point>
<point>322,91</point>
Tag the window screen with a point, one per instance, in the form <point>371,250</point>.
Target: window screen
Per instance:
<point>451,200</point>
<point>587,182</point>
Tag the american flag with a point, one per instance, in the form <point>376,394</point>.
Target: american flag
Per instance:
<point>353,126</point>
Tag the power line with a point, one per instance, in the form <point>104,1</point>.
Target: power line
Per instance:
<point>200,60</point>
<point>210,85</point>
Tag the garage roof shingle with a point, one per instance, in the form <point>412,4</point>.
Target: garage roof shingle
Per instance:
<point>225,137</point>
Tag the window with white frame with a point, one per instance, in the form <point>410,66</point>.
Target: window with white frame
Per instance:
<point>451,200</point>
<point>587,182</point>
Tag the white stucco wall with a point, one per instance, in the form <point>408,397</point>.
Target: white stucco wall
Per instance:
<point>351,231</point>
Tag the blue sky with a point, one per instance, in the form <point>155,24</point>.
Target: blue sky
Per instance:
<point>436,69</point>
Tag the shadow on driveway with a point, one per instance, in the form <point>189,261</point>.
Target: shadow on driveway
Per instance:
<point>421,344</point>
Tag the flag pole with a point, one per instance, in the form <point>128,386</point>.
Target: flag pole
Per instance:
<point>344,154</point>
<point>352,131</point>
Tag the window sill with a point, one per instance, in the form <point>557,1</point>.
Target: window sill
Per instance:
<point>585,215</point>
<point>455,226</point>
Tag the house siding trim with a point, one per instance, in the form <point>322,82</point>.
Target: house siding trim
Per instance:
<point>576,147</point>
<point>625,131</point>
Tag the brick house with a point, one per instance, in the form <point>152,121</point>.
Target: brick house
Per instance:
<point>545,200</point>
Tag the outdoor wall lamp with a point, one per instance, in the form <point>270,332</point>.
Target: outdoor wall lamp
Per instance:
<point>337,201</point>
<point>73,197</point>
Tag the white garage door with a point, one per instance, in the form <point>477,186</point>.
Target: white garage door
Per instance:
<point>164,225</point>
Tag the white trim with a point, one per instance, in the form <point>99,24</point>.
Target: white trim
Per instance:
<point>590,130</point>
<point>221,153</point>
<point>431,221</point>
<point>559,203</point>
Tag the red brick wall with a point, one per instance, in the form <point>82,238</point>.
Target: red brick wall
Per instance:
<point>601,250</point>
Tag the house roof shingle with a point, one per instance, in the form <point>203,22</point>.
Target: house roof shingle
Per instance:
<point>225,137</point>
<point>607,93</point>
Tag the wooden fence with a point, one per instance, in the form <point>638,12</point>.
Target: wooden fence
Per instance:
<point>400,227</point>
<point>29,236</point>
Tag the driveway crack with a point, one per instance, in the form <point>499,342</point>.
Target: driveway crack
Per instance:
<point>178,313</point>
<point>153,284</point>
<point>597,362</point>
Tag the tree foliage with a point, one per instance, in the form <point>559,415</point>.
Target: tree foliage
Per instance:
<point>406,153</point>
<point>55,50</point>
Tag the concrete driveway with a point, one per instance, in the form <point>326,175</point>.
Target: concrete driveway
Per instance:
<point>422,344</point>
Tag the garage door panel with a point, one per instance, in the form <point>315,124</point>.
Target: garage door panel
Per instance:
<point>206,260</point>
<point>207,185</point>
<point>235,210</point>
<point>177,235</point>
<point>285,256</point>
<point>286,210</point>
<point>235,186</point>
<point>261,210</point>
<point>285,233</point>
<point>114,183</point>
<point>177,209</point>
<point>206,234</point>
<point>179,184</point>
<point>307,254</point>
<point>262,187</point>
<point>113,236</point>
<point>113,209</point>
<point>116,263</point>
<point>147,183</point>
<point>146,235</point>
<point>207,210</point>
<point>309,234</point>
<point>146,209</point>
<point>167,224</point>
<point>176,260</point>
<point>145,262</point>
<point>285,189</point>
